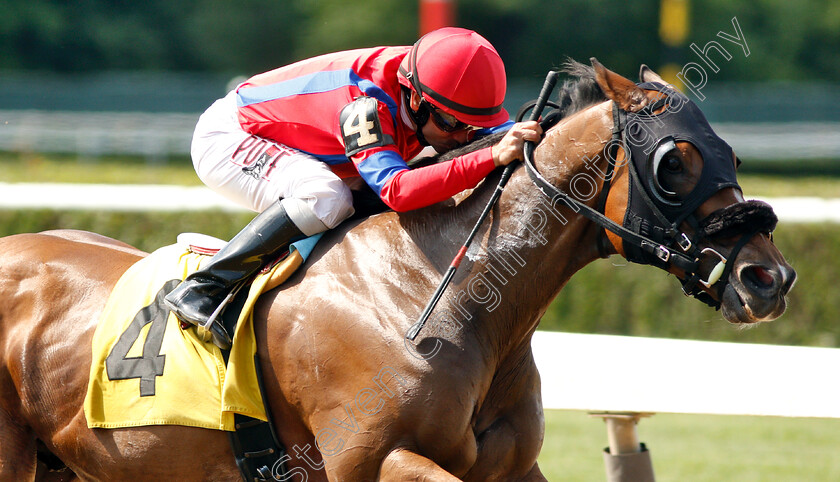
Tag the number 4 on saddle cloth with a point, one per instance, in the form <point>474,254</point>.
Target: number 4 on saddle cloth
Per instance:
<point>146,370</point>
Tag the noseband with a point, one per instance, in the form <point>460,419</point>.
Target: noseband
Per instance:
<point>651,231</point>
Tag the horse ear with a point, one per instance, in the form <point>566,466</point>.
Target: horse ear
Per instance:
<point>623,91</point>
<point>646,74</point>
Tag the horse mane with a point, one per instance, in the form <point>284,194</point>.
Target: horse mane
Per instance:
<point>580,92</point>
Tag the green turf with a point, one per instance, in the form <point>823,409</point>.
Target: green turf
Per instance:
<point>699,448</point>
<point>767,185</point>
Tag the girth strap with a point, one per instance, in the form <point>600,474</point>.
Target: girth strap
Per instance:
<point>257,449</point>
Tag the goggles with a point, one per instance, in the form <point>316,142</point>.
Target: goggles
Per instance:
<point>447,122</point>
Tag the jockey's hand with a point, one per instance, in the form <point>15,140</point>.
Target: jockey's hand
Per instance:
<point>512,145</point>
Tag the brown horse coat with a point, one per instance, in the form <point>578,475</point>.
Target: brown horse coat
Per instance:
<point>352,398</point>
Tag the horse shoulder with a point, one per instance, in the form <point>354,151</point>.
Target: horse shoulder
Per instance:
<point>335,335</point>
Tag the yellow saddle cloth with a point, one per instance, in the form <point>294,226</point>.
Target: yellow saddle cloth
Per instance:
<point>146,370</point>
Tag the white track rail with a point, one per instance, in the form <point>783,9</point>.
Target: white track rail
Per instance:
<point>136,197</point>
<point>606,373</point>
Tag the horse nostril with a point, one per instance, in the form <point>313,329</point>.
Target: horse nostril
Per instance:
<point>762,278</point>
<point>769,280</point>
<point>759,279</point>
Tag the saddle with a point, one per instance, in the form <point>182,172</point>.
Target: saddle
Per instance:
<point>146,369</point>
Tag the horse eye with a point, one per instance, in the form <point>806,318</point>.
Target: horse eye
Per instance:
<point>669,166</point>
<point>663,170</point>
<point>672,164</point>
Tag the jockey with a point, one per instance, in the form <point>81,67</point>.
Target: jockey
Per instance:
<point>287,142</point>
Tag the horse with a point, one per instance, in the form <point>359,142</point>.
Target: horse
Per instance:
<point>351,395</point>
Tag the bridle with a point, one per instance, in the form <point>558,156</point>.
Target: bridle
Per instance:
<point>651,232</point>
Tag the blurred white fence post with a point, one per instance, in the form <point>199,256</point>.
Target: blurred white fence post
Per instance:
<point>680,376</point>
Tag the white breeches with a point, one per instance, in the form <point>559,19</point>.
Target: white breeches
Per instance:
<point>255,172</point>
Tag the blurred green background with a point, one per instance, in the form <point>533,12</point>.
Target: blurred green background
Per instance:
<point>104,55</point>
<point>789,41</point>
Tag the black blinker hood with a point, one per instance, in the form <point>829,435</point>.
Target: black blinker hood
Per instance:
<point>681,120</point>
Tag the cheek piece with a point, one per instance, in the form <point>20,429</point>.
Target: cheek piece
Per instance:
<point>746,217</point>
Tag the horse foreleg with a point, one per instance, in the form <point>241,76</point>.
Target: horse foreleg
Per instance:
<point>403,464</point>
<point>17,450</point>
<point>510,440</point>
<point>535,475</point>
<point>44,474</point>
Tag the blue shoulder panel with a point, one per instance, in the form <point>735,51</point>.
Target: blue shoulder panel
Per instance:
<point>379,168</point>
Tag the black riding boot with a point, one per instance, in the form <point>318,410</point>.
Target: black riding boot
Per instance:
<point>198,296</point>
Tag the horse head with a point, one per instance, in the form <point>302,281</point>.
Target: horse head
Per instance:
<point>673,183</point>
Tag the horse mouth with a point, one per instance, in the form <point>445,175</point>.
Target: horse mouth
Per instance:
<point>756,294</point>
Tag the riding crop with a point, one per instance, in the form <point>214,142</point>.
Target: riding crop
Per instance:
<point>548,86</point>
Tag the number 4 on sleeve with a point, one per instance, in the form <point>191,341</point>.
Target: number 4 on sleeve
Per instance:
<point>360,126</point>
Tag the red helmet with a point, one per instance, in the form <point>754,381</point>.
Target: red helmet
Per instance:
<point>459,72</point>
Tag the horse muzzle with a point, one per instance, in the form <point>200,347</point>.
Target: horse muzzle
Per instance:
<point>758,279</point>
<point>756,292</point>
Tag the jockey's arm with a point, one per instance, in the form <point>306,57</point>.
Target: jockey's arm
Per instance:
<point>404,189</point>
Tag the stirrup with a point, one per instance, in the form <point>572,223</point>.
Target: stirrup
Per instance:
<point>217,334</point>
<point>220,336</point>
<point>210,329</point>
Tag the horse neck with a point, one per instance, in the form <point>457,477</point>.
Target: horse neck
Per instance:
<point>531,248</point>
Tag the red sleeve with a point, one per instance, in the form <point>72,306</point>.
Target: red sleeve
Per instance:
<point>421,187</point>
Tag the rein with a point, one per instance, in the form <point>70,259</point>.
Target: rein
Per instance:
<point>748,218</point>
<point>675,248</point>
<point>648,245</point>
<point>548,86</point>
